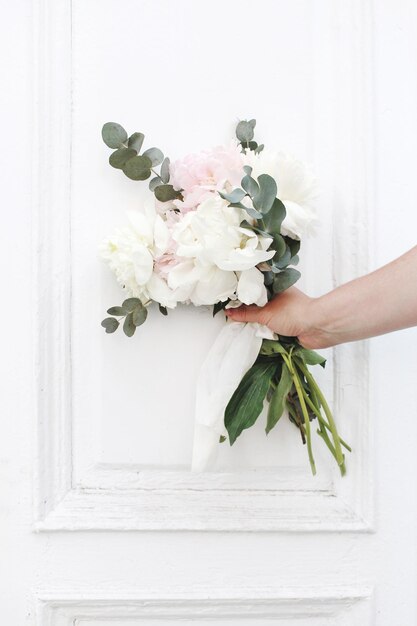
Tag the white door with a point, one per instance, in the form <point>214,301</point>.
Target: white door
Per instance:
<point>101,521</point>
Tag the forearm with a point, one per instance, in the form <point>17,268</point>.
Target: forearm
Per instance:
<point>380,302</point>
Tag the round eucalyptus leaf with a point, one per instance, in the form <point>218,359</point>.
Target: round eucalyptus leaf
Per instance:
<point>138,168</point>
<point>130,304</point>
<point>155,155</point>
<point>116,310</point>
<point>244,131</point>
<point>110,324</point>
<point>119,158</point>
<point>250,185</point>
<point>139,315</point>
<point>247,169</point>
<point>252,123</point>
<point>128,326</point>
<point>165,193</point>
<point>135,141</point>
<point>285,279</point>
<point>165,170</point>
<point>113,135</point>
<point>264,199</point>
<point>154,183</point>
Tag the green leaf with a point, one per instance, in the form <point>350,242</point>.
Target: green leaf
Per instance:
<point>293,244</point>
<point>135,141</point>
<point>264,199</point>
<point>252,145</point>
<point>130,304</point>
<point>279,246</point>
<point>139,315</point>
<point>164,193</point>
<point>310,357</point>
<point>270,347</point>
<point>250,185</point>
<point>219,306</point>
<point>244,131</point>
<point>277,403</point>
<point>285,279</point>
<point>117,310</point>
<point>252,123</point>
<point>247,401</point>
<point>284,260</point>
<point>154,183</point>
<point>274,218</point>
<point>259,148</point>
<point>155,155</point>
<point>253,212</point>
<point>247,169</point>
<point>119,158</point>
<point>165,170</point>
<point>110,324</point>
<point>128,326</point>
<point>163,310</point>
<point>113,135</point>
<point>138,168</point>
<point>235,196</point>
<point>222,439</point>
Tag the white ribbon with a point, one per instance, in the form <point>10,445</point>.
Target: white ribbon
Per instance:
<point>231,356</point>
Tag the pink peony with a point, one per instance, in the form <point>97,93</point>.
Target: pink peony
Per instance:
<point>199,175</point>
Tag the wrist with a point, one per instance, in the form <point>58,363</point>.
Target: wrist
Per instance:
<point>317,334</point>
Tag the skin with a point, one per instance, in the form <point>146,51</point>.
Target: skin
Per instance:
<point>378,303</point>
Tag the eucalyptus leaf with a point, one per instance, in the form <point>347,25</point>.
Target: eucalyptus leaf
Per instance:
<point>139,315</point>
<point>235,196</point>
<point>138,168</point>
<point>165,193</point>
<point>130,304</point>
<point>165,170</point>
<point>128,326</point>
<point>284,260</point>
<point>154,183</point>
<point>285,279</point>
<point>259,148</point>
<point>252,145</point>
<point>274,218</point>
<point>264,199</point>
<point>155,155</point>
<point>119,158</point>
<point>247,401</point>
<point>110,324</point>
<point>114,135</point>
<point>136,141</point>
<point>293,244</point>
<point>117,310</point>
<point>279,246</point>
<point>253,212</point>
<point>278,400</point>
<point>247,169</point>
<point>252,123</point>
<point>250,185</point>
<point>244,131</point>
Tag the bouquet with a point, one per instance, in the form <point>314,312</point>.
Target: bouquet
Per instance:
<point>222,228</point>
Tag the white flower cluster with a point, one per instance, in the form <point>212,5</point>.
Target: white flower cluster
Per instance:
<point>195,250</point>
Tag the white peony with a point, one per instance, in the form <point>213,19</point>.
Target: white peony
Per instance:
<point>218,255</point>
<point>131,252</point>
<point>297,188</point>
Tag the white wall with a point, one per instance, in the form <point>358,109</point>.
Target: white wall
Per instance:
<point>344,97</point>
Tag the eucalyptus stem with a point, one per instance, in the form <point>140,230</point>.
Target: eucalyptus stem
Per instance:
<point>337,443</point>
<point>307,425</point>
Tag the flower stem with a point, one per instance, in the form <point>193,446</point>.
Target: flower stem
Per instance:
<point>307,425</point>
<point>336,439</point>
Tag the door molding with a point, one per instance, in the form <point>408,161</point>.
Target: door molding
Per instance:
<point>57,608</point>
<point>117,497</point>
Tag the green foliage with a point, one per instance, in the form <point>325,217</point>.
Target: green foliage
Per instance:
<point>119,158</point>
<point>134,312</point>
<point>250,185</point>
<point>165,170</point>
<point>154,155</point>
<point>273,219</point>
<point>136,141</point>
<point>114,135</point>
<point>277,403</point>
<point>310,357</point>
<point>247,401</point>
<point>285,279</point>
<point>165,193</point>
<point>266,195</point>
<point>245,131</point>
<point>138,168</point>
<point>219,306</point>
<point>163,310</point>
<point>234,197</point>
<point>110,324</point>
<point>155,182</point>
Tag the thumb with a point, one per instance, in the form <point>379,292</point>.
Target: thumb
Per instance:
<point>244,313</point>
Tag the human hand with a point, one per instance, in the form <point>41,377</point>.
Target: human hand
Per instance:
<point>289,314</point>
